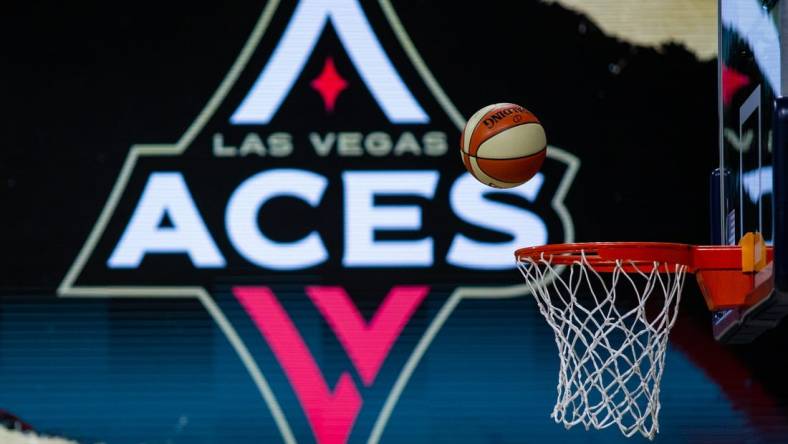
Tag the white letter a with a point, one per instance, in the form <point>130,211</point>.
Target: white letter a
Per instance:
<point>166,194</point>
<point>296,45</point>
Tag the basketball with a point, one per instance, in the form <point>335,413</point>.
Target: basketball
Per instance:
<point>503,145</point>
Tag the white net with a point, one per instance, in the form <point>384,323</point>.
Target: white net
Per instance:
<point>611,350</point>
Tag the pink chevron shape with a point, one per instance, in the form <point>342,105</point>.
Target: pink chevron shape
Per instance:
<point>330,414</point>
<point>367,344</point>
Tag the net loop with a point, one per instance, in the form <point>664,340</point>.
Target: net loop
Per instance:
<point>611,350</point>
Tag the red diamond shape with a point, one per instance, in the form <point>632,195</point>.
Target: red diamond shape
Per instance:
<point>329,84</point>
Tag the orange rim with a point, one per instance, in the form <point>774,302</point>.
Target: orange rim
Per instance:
<point>633,256</point>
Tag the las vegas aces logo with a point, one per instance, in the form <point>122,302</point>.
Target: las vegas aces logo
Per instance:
<point>326,158</point>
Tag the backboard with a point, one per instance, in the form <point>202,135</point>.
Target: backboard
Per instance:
<point>746,189</point>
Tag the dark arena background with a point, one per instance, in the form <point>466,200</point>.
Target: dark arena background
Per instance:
<point>248,222</point>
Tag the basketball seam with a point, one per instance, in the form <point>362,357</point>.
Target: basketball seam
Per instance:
<point>481,119</point>
<point>509,158</point>
<point>500,130</point>
<point>472,130</point>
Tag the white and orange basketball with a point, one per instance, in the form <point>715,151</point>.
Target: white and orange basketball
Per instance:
<point>503,145</point>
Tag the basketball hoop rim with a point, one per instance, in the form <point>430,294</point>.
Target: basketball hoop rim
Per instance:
<point>606,256</point>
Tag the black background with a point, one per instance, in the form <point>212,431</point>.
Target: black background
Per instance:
<point>84,83</point>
